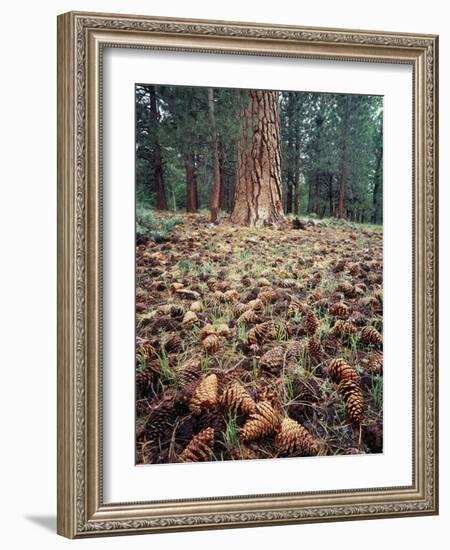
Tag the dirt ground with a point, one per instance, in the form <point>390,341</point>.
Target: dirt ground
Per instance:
<point>258,343</point>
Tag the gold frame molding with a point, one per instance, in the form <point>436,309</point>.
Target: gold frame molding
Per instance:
<point>81,38</point>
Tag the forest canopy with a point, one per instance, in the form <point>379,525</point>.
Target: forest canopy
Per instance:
<point>319,154</point>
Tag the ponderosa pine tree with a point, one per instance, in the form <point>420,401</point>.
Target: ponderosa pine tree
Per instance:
<point>161,203</point>
<point>257,198</point>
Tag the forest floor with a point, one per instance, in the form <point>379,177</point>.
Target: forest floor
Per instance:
<point>258,343</point>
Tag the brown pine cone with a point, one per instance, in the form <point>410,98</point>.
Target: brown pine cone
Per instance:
<point>238,309</point>
<point>190,319</point>
<point>339,370</point>
<point>147,376</point>
<point>296,307</point>
<point>261,333</point>
<point>187,373</point>
<point>172,343</point>
<point>212,284</point>
<point>257,306</point>
<point>268,296</point>
<point>343,328</point>
<point>205,395</point>
<point>160,423</point>
<point>376,362</point>
<point>144,352</point>
<point>199,448</point>
<point>311,323</point>
<point>246,281</point>
<point>315,297</point>
<point>262,422</point>
<point>262,281</point>
<point>206,331</point>
<point>231,296</point>
<point>211,343</point>
<point>243,453</point>
<point>273,360</point>
<point>293,438</point>
<point>287,283</point>
<point>248,317</point>
<point>354,400</point>
<point>177,311</point>
<point>370,335</point>
<point>314,347</point>
<point>339,310</point>
<point>236,397</point>
<point>346,288</point>
<point>219,296</point>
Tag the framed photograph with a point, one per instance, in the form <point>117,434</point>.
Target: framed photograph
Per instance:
<point>247,288</point>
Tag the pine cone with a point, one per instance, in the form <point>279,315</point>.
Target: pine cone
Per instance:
<point>287,283</point>
<point>219,296</point>
<point>315,297</point>
<point>205,395</point>
<point>231,296</point>
<point>190,319</point>
<point>370,335</point>
<point>311,323</point>
<point>243,453</point>
<point>211,343</point>
<point>273,360</point>
<point>147,376</point>
<point>199,448</point>
<point>172,343</point>
<point>296,307</point>
<point>262,281</point>
<point>257,306</point>
<point>268,296</point>
<point>343,328</point>
<point>196,307</point>
<point>160,423</point>
<point>145,352</point>
<point>339,310</point>
<point>376,362</point>
<point>236,397</point>
<point>187,373</point>
<point>263,422</point>
<point>206,331</point>
<point>248,317</point>
<point>212,284</point>
<point>293,437</point>
<point>347,289</point>
<point>354,400</point>
<point>239,309</point>
<point>223,330</point>
<point>261,333</point>
<point>339,370</point>
<point>314,347</point>
<point>176,311</point>
<point>246,281</point>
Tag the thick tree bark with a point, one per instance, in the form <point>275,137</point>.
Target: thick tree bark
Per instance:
<point>297,177</point>
<point>222,194</point>
<point>191,186</point>
<point>161,203</point>
<point>215,193</point>
<point>330,194</point>
<point>377,216</point>
<point>257,198</point>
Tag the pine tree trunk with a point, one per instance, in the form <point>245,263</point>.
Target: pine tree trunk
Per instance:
<point>297,178</point>
<point>330,194</point>
<point>215,193</point>
<point>257,198</point>
<point>161,203</point>
<point>191,186</point>
<point>222,194</point>
<point>318,195</point>
<point>342,187</point>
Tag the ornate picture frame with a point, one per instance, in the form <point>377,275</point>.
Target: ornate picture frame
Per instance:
<point>82,38</point>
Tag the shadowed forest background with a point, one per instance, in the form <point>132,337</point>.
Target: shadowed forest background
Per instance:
<point>331,150</point>
<point>259,273</point>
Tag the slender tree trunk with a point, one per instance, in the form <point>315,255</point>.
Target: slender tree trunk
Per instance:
<point>191,185</point>
<point>161,203</point>
<point>297,178</point>
<point>257,199</point>
<point>215,192</point>
<point>342,188</point>
<point>222,194</point>
<point>318,194</point>
<point>330,194</point>
<point>377,216</point>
